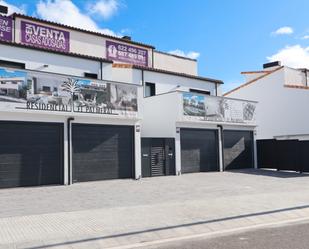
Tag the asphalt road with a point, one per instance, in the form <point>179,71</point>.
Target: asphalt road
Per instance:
<point>294,236</point>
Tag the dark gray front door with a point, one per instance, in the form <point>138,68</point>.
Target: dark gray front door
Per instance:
<point>237,149</point>
<point>102,152</point>
<point>31,154</point>
<point>158,156</point>
<point>199,150</point>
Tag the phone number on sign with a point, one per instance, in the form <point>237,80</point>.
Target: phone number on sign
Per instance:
<point>131,50</point>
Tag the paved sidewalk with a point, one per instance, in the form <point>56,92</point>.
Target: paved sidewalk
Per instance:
<point>125,212</point>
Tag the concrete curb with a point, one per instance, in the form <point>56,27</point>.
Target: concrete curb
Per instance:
<point>211,234</point>
<point>146,238</point>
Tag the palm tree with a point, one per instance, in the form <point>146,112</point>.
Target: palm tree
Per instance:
<point>71,86</point>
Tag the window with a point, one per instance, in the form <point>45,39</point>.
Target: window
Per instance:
<point>150,89</point>
<point>199,91</point>
<point>91,75</point>
<point>46,89</point>
<point>12,64</point>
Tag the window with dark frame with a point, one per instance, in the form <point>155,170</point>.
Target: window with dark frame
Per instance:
<point>91,75</point>
<point>150,89</point>
<point>199,91</point>
<point>12,64</point>
<point>46,89</point>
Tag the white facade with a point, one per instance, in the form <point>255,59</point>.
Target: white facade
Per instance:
<point>70,65</point>
<point>19,111</point>
<point>87,55</point>
<point>86,43</point>
<point>163,116</point>
<point>53,89</point>
<point>283,97</point>
<point>94,44</point>
<point>174,63</point>
<point>51,62</point>
<point>167,83</point>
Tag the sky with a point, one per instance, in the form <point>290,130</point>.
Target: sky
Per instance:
<point>226,37</point>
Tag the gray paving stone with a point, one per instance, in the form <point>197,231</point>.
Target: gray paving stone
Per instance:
<point>208,201</point>
<point>12,246</point>
<point>29,245</point>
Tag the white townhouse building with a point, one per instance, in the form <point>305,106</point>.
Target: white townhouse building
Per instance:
<point>282,93</point>
<point>77,106</point>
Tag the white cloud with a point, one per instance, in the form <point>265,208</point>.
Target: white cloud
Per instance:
<point>66,12</point>
<point>104,8</point>
<point>14,8</point>
<point>283,31</point>
<point>305,37</point>
<point>293,56</point>
<point>190,54</point>
<point>126,31</point>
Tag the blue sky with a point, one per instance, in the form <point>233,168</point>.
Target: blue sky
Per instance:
<point>226,36</point>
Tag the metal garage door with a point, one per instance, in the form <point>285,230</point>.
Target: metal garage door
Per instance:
<point>102,152</point>
<point>199,150</point>
<point>237,149</point>
<point>31,154</point>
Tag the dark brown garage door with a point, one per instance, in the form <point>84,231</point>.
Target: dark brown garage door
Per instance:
<point>199,150</point>
<point>102,152</point>
<point>237,149</point>
<point>30,154</point>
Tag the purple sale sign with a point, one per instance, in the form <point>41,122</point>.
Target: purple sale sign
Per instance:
<point>6,25</point>
<point>45,37</point>
<point>125,53</point>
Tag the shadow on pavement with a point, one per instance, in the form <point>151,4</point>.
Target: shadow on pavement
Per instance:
<point>270,173</point>
<point>170,227</point>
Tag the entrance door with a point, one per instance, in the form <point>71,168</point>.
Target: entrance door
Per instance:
<point>158,156</point>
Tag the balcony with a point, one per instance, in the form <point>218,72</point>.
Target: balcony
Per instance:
<point>28,90</point>
<point>197,107</point>
<point>169,109</point>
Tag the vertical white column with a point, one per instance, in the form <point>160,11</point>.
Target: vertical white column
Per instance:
<point>65,153</point>
<point>178,152</point>
<point>220,139</point>
<point>137,149</point>
<point>255,150</point>
<point>70,144</point>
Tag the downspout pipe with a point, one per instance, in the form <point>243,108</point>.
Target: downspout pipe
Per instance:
<point>222,144</point>
<point>216,89</point>
<point>101,69</point>
<point>143,83</point>
<point>152,61</point>
<point>69,120</point>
